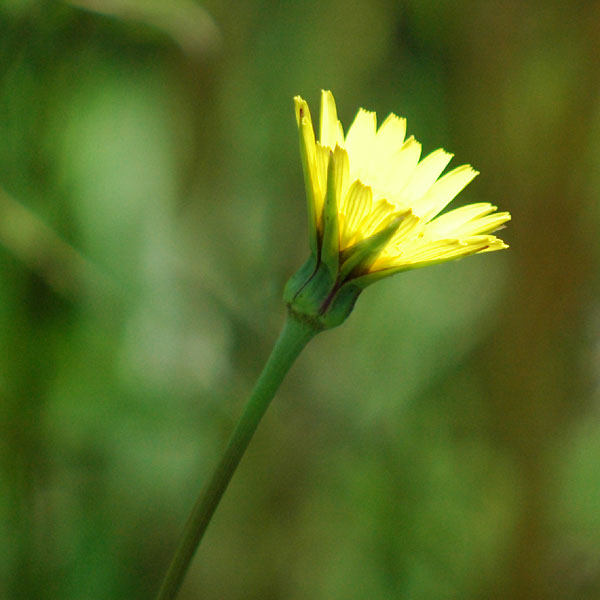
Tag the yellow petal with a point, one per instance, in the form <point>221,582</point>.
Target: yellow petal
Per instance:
<point>408,228</point>
<point>443,191</point>
<point>443,224</point>
<point>321,161</point>
<point>480,226</point>
<point>442,250</point>
<point>301,109</point>
<point>424,176</point>
<point>402,165</point>
<point>330,126</point>
<point>342,173</point>
<point>494,244</point>
<point>379,217</point>
<point>390,137</point>
<point>359,141</point>
<point>357,206</point>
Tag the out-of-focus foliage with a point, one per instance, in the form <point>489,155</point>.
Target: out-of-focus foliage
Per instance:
<point>443,443</point>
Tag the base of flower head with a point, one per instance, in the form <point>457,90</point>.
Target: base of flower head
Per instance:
<point>315,297</point>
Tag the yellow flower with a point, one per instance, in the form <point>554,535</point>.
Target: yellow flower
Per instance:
<point>373,207</point>
<point>379,178</point>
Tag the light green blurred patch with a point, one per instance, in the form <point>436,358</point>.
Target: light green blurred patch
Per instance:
<point>186,350</point>
<point>117,163</point>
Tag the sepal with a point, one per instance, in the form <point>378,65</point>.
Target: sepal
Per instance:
<point>340,306</point>
<point>313,295</point>
<point>299,279</point>
<point>359,258</point>
<point>330,247</point>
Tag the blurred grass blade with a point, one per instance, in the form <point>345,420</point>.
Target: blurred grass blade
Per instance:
<point>43,251</point>
<point>188,24</point>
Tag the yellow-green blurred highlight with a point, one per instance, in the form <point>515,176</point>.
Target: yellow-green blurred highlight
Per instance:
<point>443,443</point>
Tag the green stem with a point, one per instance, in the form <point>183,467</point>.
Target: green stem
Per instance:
<point>294,336</point>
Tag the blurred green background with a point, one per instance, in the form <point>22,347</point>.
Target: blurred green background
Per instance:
<point>443,444</point>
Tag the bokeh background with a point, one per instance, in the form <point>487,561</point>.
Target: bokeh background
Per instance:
<point>443,444</point>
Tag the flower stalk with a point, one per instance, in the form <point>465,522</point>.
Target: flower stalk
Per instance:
<point>295,335</point>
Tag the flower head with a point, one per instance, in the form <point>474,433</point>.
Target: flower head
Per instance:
<point>373,206</point>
